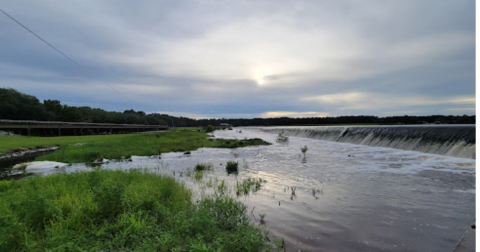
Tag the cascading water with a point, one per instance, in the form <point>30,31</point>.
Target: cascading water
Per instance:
<point>450,140</point>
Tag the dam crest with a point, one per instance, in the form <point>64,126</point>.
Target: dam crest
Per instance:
<point>449,140</point>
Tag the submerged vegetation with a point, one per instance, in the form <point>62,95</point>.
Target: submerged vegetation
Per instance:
<point>232,167</point>
<point>123,146</point>
<point>248,185</point>
<point>119,211</point>
<point>203,166</point>
<point>282,137</point>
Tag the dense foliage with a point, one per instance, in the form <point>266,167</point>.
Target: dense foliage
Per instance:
<point>119,211</point>
<point>18,106</point>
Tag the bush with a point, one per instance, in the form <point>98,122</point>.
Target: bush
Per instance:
<point>282,137</point>
<point>209,129</point>
<point>232,167</point>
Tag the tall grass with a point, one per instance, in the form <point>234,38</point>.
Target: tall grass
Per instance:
<point>119,211</point>
<point>124,146</point>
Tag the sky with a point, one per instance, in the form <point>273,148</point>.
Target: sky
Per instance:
<point>245,59</point>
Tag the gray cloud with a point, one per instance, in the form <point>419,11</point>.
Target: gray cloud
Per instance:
<point>218,58</point>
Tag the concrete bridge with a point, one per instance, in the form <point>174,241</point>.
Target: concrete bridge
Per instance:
<point>41,128</point>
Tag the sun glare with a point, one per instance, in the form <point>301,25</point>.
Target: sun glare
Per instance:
<point>260,81</point>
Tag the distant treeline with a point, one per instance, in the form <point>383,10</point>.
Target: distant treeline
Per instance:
<point>18,106</point>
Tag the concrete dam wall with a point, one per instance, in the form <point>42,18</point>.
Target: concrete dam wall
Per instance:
<point>449,140</point>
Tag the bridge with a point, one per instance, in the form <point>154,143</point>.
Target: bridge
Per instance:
<point>49,128</point>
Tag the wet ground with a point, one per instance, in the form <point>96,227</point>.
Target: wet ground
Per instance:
<point>338,197</point>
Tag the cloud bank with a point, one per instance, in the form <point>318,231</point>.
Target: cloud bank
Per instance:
<point>246,59</point>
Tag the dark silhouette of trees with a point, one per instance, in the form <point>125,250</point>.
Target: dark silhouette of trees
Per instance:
<point>15,105</point>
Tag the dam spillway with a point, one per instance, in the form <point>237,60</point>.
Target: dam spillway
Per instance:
<point>449,140</point>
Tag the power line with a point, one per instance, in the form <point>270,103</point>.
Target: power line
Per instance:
<point>64,55</point>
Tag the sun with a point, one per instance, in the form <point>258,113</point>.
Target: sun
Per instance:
<point>260,81</point>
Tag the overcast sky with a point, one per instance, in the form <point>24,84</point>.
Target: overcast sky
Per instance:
<point>245,59</point>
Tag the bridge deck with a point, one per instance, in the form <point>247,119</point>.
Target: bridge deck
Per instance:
<point>72,127</point>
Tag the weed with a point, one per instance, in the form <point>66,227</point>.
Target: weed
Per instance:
<point>262,218</point>
<point>209,183</point>
<point>247,185</point>
<point>198,175</point>
<point>232,167</point>
<point>304,150</point>
<point>282,137</point>
<point>222,187</point>
<point>293,195</point>
<point>203,166</point>
<point>280,244</point>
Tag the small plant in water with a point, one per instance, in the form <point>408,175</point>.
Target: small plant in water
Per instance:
<point>282,137</point>
<point>280,244</point>
<point>203,166</point>
<point>292,196</point>
<point>222,187</point>
<point>304,150</point>
<point>198,175</point>
<point>232,167</point>
<point>262,217</point>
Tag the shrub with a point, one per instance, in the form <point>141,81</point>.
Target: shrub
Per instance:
<point>304,149</point>
<point>209,129</point>
<point>282,137</point>
<point>232,167</point>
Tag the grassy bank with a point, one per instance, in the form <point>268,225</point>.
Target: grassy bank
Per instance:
<point>119,211</point>
<point>122,146</point>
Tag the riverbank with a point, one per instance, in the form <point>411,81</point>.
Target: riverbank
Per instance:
<point>79,149</point>
<point>119,211</point>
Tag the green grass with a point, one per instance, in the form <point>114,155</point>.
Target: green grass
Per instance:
<point>119,211</point>
<point>123,146</point>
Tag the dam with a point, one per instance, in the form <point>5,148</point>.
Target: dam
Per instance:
<point>448,140</point>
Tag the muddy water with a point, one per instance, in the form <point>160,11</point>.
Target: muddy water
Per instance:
<point>346,197</point>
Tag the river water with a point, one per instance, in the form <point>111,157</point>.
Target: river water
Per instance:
<point>339,197</point>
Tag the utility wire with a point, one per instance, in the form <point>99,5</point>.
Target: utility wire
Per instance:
<point>71,60</point>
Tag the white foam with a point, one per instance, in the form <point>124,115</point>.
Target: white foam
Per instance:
<point>44,165</point>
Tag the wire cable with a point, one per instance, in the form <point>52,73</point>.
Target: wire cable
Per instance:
<point>64,55</point>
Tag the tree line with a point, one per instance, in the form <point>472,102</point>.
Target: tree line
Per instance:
<point>15,105</point>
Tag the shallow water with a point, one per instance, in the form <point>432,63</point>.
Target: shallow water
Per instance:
<point>347,197</point>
